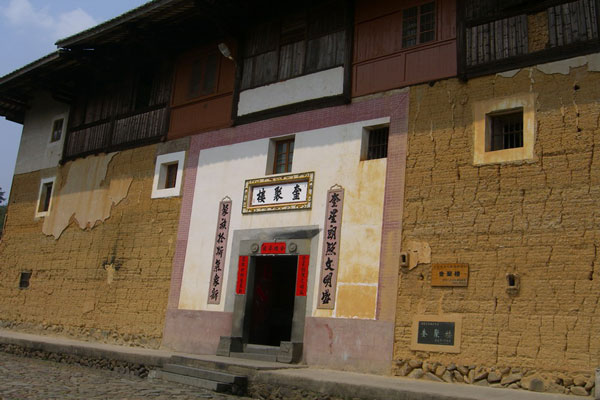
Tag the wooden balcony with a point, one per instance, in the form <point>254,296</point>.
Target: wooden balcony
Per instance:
<point>117,133</point>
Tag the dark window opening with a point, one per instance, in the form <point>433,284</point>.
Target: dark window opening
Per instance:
<point>171,175</point>
<point>57,128</point>
<point>305,42</point>
<point>203,79</point>
<point>418,24</point>
<point>284,153</point>
<point>45,197</point>
<point>506,131</point>
<point>378,143</point>
<point>24,279</point>
<point>143,93</point>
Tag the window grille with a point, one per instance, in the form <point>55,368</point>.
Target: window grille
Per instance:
<point>378,143</point>
<point>507,131</point>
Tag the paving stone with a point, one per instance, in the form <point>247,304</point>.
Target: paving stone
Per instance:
<point>33,379</point>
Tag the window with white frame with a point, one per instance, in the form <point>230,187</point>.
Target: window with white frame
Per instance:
<point>45,197</point>
<point>168,175</point>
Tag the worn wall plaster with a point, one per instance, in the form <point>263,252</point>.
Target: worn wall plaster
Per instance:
<point>418,253</point>
<point>538,220</point>
<point>82,195</point>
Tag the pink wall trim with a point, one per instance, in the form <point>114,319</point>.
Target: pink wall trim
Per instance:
<point>395,106</point>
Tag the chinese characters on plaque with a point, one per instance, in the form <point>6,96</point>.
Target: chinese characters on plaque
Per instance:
<point>331,248</point>
<point>278,193</point>
<point>440,333</point>
<point>436,332</point>
<point>449,274</point>
<point>218,264</point>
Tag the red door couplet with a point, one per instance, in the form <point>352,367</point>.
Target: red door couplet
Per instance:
<point>302,276</point>
<point>242,275</point>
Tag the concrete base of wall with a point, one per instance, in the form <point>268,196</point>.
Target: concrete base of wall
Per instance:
<point>349,344</point>
<point>196,332</point>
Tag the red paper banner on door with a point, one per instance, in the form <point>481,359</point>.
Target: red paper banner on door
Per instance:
<point>272,248</point>
<point>302,276</point>
<point>242,275</point>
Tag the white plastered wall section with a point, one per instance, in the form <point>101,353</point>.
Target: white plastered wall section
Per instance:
<point>308,87</point>
<point>36,152</point>
<point>334,155</point>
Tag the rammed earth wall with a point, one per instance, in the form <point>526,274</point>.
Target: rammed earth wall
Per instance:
<point>539,220</point>
<point>109,282</point>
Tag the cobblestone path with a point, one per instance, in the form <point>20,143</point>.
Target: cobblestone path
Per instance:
<point>27,378</point>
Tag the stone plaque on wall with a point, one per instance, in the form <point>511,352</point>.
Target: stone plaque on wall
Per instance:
<point>449,274</point>
<point>219,251</point>
<point>331,248</point>
<point>436,333</point>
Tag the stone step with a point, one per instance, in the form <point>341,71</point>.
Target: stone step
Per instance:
<point>256,356</point>
<point>207,374</point>
<point>219,387</point>
<point>261,349</point>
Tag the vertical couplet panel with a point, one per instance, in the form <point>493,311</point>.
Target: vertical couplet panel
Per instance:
<point>302,275</point>
<point>242,275</point>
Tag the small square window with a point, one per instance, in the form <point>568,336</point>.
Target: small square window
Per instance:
<point>168,175</point>
<point>24,279</point>
<point>505,130</point>
<point>284,154</point>
<point>57,128</point>
<point>378,143</point>
<point>45,197</point>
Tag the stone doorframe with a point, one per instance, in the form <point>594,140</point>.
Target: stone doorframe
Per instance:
<point>299,241</point>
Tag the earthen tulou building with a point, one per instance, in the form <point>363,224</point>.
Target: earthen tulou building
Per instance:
<point>399,187</point>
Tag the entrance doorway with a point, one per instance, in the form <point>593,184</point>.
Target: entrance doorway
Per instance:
<point>272,304</point>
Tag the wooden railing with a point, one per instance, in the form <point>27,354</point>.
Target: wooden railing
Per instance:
<point>116,133</point>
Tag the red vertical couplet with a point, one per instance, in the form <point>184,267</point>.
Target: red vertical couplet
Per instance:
<point>242,275</point>
<point>302,276</point>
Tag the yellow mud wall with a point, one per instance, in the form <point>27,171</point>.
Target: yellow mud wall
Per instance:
<point>538,219</point>
<point>107,282</point>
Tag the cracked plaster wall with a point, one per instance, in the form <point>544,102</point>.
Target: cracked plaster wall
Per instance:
<point>109,283</point>
<point>538,219</point>
<point>83,195</point>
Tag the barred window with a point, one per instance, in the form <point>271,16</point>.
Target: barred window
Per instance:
<point>506,131</point>
<point>378,143</point>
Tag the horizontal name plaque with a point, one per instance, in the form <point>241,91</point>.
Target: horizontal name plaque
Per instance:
<point>287,192</point>
<point>449,275</point>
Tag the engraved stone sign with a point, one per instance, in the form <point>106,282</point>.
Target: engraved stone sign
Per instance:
<point>436,333</point>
